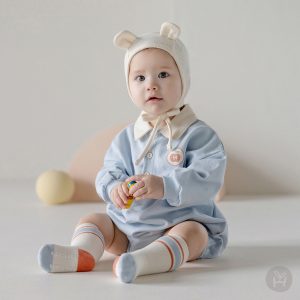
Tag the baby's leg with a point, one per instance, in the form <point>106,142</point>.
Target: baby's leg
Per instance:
<point>181,243</point>
<point>93,234</point>
<point>194,234</point>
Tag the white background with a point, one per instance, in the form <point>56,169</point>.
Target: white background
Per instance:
<point>62,81</point>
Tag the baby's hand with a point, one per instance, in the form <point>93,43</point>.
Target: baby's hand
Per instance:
<point>119,195</point>
<point>147,187</point>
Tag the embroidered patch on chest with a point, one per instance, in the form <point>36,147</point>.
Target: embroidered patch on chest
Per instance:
<point>175,157</point>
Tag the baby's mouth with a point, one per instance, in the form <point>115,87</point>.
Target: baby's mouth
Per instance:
<point>154,99</point>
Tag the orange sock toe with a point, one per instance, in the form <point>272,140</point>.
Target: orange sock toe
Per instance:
<point>86,261</point>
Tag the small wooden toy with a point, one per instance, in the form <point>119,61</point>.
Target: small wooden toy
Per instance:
<point>130,198</point>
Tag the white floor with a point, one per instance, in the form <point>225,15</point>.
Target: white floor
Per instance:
<point>264,233</point>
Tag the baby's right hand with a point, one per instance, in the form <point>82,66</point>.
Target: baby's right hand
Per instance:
<point>119,195</point>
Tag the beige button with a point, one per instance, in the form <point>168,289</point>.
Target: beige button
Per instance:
<point>149,155</point>
<point>175,157</point>
<point>147,173</point>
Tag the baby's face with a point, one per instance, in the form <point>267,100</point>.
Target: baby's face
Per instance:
<point>154,81</point>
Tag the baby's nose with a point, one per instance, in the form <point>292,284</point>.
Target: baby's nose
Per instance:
<point>152,85</point>
<point>152,88</point>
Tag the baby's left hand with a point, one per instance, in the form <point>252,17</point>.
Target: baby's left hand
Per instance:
<point>147,187</point>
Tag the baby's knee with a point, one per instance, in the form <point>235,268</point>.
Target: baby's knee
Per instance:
<point>101,220</point>
<point>91,218</point>
<point>104,224</point>
<point>195,235</point>
<point>197,229</point>
<point>198,235</point>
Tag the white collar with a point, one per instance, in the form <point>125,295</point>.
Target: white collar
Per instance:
<point>179,124</point>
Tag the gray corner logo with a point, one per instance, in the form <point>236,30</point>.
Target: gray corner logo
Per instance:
<point>279,279</point>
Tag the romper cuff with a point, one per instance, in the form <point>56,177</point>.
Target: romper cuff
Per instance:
<point>104,184</point>
<point>171,191</point>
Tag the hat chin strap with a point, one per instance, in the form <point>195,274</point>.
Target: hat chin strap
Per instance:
<point>158,120</point>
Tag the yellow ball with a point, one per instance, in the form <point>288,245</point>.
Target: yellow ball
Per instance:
<point>54,187</point>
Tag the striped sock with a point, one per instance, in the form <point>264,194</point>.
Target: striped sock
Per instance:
<point>86,248</point>
<point>163,255</point>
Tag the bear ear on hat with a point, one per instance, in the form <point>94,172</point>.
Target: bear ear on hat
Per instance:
<point>170,30</point>
<point>124,39</point>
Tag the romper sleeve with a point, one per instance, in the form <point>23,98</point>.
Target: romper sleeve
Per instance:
<point>117,166</point>
<point>200,179</point>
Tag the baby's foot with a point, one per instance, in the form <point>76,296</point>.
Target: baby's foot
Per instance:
<point>125,268</point>
<point>165,254</point>
<point>54,258</point>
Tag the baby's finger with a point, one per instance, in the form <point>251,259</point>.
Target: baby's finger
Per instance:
<point>139,194</point>
<point>115,202</point>
<point>136,187</point>
<point>121,194</point>
<point>125,189</point>
<point>119,203</point>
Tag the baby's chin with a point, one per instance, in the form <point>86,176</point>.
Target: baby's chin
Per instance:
<point>156,111</point>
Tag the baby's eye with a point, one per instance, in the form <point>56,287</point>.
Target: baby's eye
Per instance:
<point>140,78</point>
<point>163,75</point>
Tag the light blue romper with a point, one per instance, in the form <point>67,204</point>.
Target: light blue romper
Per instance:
<point>189,188</point>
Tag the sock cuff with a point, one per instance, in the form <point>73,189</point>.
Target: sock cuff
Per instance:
<point>177,249</point>
<point>180,241</point>
<point>88,228</point>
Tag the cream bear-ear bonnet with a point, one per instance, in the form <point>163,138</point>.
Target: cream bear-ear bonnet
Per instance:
<point>167,39</point>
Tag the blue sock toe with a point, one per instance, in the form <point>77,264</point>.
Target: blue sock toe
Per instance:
<point>127,268</point>
<point>45,257</point>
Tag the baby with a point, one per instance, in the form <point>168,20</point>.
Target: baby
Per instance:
<point>178,164</point>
